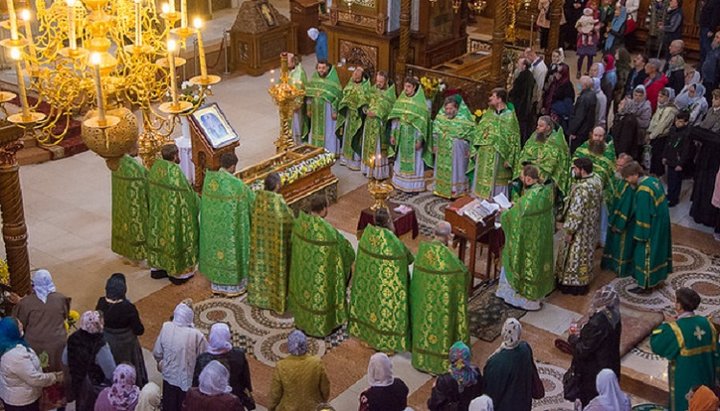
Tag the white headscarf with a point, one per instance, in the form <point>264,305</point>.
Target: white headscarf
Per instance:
<point>610,396</point>
<point>510,334</point>
<point>481,403</point>
<point>183,315</point>
<point>380,370</point>
<point>313,33</point>
<point>43,284</point>
<point>150,398</point>
<point>220,338</point>
<point>214,379</point>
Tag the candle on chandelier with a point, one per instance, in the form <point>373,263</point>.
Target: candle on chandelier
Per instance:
<point>183,13</point>
<point>95,60</point>
<point>16,55</point>
<point>25,16</point>
<point>138,24</point>
<point>71,24</point>
<point>171,4</point>
<point>165,8</point>
<point>13,20</point>
<point>201,49</point>
<point>171,46</point>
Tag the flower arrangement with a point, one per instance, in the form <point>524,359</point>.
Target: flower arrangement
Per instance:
<point>299,170</point>
<point>73,317</point>
<point>432,85</point>
<point>190,92</point>
<point>478,113</point>
<point>4,273</point>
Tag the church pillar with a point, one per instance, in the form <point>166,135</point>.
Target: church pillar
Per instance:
<point>556,8</point>
<point>498,43</point>
<point>405,7</point>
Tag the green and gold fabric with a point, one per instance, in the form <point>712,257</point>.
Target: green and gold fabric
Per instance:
<point>652,251</point>
<point>496,143</point>
<point>445,131</point>
<point>414,123</point>
<point>603,165</point>
<point>618,251</point>
<point>350,117</point>
<point>551,157</point>
<point>129,209</point>
<point>299,79</point>
<point>380,102</point>
<point>320,91</point>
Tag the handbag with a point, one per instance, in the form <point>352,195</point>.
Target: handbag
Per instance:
<point>630,25</point>
<point>571,384</point>
<point>538,389</point>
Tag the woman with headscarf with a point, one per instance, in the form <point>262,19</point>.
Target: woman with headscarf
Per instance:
<point>596,344</point>
<point>90,360</point>
<point>220,348</point>
<point>386,392</point>
<point>213,393</point>
<point>659,127</point>
<point>559,100</point>
<point>123,326</point>
<point>299,381</point>
<point>21,377</point>
<point>123,394</point>
<point>692,99</point>
<point>150,398</point>
<point>557,58</point>
<point>461,384</point>
<point>616,32</point>
<point>481,403</point>
<point>510,371</point>
<point>176,351</point>
<point>631,123</point>
<point>676,73</point>
<point>597,71</point>
<point>703,399</point>
<point>43,314</point>
<point>610,396</point>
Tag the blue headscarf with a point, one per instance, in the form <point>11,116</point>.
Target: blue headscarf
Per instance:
<point>10,335</point>
<point>460,368</point>
<point>617,25</point>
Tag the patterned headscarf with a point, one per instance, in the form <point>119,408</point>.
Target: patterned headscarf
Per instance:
<point>42,284</point>
<point>183,315</point>
<point>380,370</point>
<point>460,368</point>
<point>123,395</point>
<point>10,335</point>
<point>92,322</point>
<point>219,340</point>
<point>606,298</point>
<point>297,343</point>
<point>214,379</point>
<point>510,334</point>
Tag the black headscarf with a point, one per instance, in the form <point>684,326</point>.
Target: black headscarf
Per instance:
<point>115,288</point>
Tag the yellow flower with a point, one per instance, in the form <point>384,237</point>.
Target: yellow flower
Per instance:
<point>478,113</point>
<point>4,273</point>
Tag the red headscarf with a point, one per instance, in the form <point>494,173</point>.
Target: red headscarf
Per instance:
<point>609,61</point>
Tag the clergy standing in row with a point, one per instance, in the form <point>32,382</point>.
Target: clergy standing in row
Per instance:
<point>129,209</point>
<point>270,230</point>
<point>617,254</point>
<point>173,219</point>
<point>548,151</point>
<point>225,228</point>
<point>376,132</point>
<point>320,268</point>
<point>351,118</point>
<point>322,96</point>
<point>298,78</point>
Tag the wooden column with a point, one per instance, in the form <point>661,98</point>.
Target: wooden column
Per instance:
<point>498,43</point>
<point>556,9</point>
<point>405,9</point>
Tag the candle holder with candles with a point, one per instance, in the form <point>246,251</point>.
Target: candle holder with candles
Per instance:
<point>379,189</point>
<point>203,79</point>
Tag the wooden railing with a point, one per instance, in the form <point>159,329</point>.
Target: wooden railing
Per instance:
<point>474,92</point>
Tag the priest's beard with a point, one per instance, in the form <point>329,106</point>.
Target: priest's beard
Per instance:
<point>323,75</point>
<point>597,147</point>
<point>542,137</point>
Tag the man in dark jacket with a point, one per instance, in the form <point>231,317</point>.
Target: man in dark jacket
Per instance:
<point>710,69</point>
<point>677,155</point>
<point>583,119</point>
<point>522,96</point>
<point>637,74</point>
<point>709,22</point>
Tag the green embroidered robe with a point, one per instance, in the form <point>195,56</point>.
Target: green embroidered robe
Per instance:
<point>129,209</point>
<point>319,269</point>
<point>299,79</point>
<point>379,312</point>
<point>269,265</point>
<point>380,102</point>
<point>351,118</point>
<point>618,251</point>
<point>551,157</point>
<point>225,228</point>
<point>438,306</point>
<point>445,131</point>
<point>496,142</point>
<point>528,253</point>
<point>603,165</point>
<point>413,126</point>
<point>691,346</point>
<point>652,249</point>
<point>173,219</point>
<point>318,92</point>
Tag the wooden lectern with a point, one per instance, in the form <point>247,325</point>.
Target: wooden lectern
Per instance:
<point>204,156</point>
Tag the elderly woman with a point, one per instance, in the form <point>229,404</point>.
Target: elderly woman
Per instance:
<point>386,393</point>
<point>654,82</point>
<point>460,385</point>
<point>676,73</point>
<point>123,394</point>
<point>559,99</point>
<point>150,398</point>
<point>123,326</point>
<point>220,348</point>
<point>214,393</point>
<point>299,381</point>
<point>21,377</point>
<point>610,396</point>
<point>630,126</point>
<point>660,125</point>
<point>692,99</point>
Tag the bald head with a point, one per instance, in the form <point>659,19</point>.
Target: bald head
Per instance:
<point>443,230</point>
<point>598,134</point>
<point>676,47</point>
<point>586,82</point>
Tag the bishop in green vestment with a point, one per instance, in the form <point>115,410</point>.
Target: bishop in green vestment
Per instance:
<point>173,219</point>
<point>225,228</point>
<point>438,302</point>
<point>270,230</point>
<point>322,96</point>
<point>690,343</point>
<point>453,129</point>
<point>300,121</point>
<point>376,133</point>
<point>379,311</point>
<point>319,272</point>
<point>617,253</point>
<point>351,117</point>
<point>527,274</point>
<point>129,209</point>
<point>548,151</point>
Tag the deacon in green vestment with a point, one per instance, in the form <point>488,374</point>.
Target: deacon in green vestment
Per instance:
<point>129,209</point>
<point>173,219</point>
<point>496,147</point>
<point>438,302</point>
<point>322,96</point>
<point>410,127</point>
<point>351,118</point>
<point>300,120</point>
<point>379,312</point>
<point>617,254</point>
<point>527,273</point>
<point>652,243</point>
<point>319,272</point>
<point>225,228</point>
<point>690,343</point>
<point>453,129</point>
<point>271,222</point>
<point>548,151</point>
<point>376,132</point>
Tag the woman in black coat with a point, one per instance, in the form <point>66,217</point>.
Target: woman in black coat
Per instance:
<point>460,385</point>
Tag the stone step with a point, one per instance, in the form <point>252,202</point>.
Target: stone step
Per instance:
<point>33,155</point>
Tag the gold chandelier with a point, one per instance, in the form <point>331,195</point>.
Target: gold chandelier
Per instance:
<point>113,55</point>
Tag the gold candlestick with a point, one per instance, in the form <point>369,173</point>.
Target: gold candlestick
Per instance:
<point>95,61</point>
<point>171,62</point>
<point>201,49</point>
<point>25,16</point>
<point>13,20</point>
<point>71,24</point>
<point>183,13</point>
<point>16,55</point>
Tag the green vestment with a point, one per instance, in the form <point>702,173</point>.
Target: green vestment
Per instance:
<point>319,269</point>
<point>173,220</point>
<point>320,91</point>
<point>380,102</point>
<point>551,157</point>
<point>528,253</point>
<point>438,304</point>
<point>617,254</point>
<point>652,249</point>
<point>270,232</point>
<point>496,142</point>
<point>414,124</point>
<point>691,346</point>
<point>299,79</point>
<point>129,209</point>
<point>445,132</point>
<point>225,230</point>
<point>603,165</point>
<point>379,312</point>
<point>350,117</point>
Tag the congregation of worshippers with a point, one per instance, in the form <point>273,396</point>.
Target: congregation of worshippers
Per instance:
<point>590,169</point>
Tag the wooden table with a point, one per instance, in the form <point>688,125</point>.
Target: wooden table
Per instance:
<point>403,223</point>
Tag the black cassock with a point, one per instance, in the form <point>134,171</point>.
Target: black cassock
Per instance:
<point>707,164</point>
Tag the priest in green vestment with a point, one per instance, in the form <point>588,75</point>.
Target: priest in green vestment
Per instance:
<point>351,117</point>
<point>618,250</point>
<point>379,311</point>
<point>129,209</point>
<point>652,242</point>
<point>319,272</point>
<point>173,219</point>
<point>322,96</point>
<point>376,132</point>
<point>271,222</point>
<point>452,132</point>
<point>527,274</point>
<point>548,151</point>
<point>300,120</point>
<point>690,343</point>
<point>410,127</point>
<point>496,147</point>
<point>225,228</point>
<point>438,302</point>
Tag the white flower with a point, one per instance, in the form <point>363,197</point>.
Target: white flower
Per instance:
<point>184,85</point>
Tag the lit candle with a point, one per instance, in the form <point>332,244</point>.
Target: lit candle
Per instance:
<point>17,56</point>
<point>71,24</point>
<point>138,24</point>
<point>165,8</point>
<point>13,20</point>
<point>201,49</point>
<point>171,4</point>
<point>171,62</point>
<point>25,16</point>
<point>95,60</point>
<point>183,13</point>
